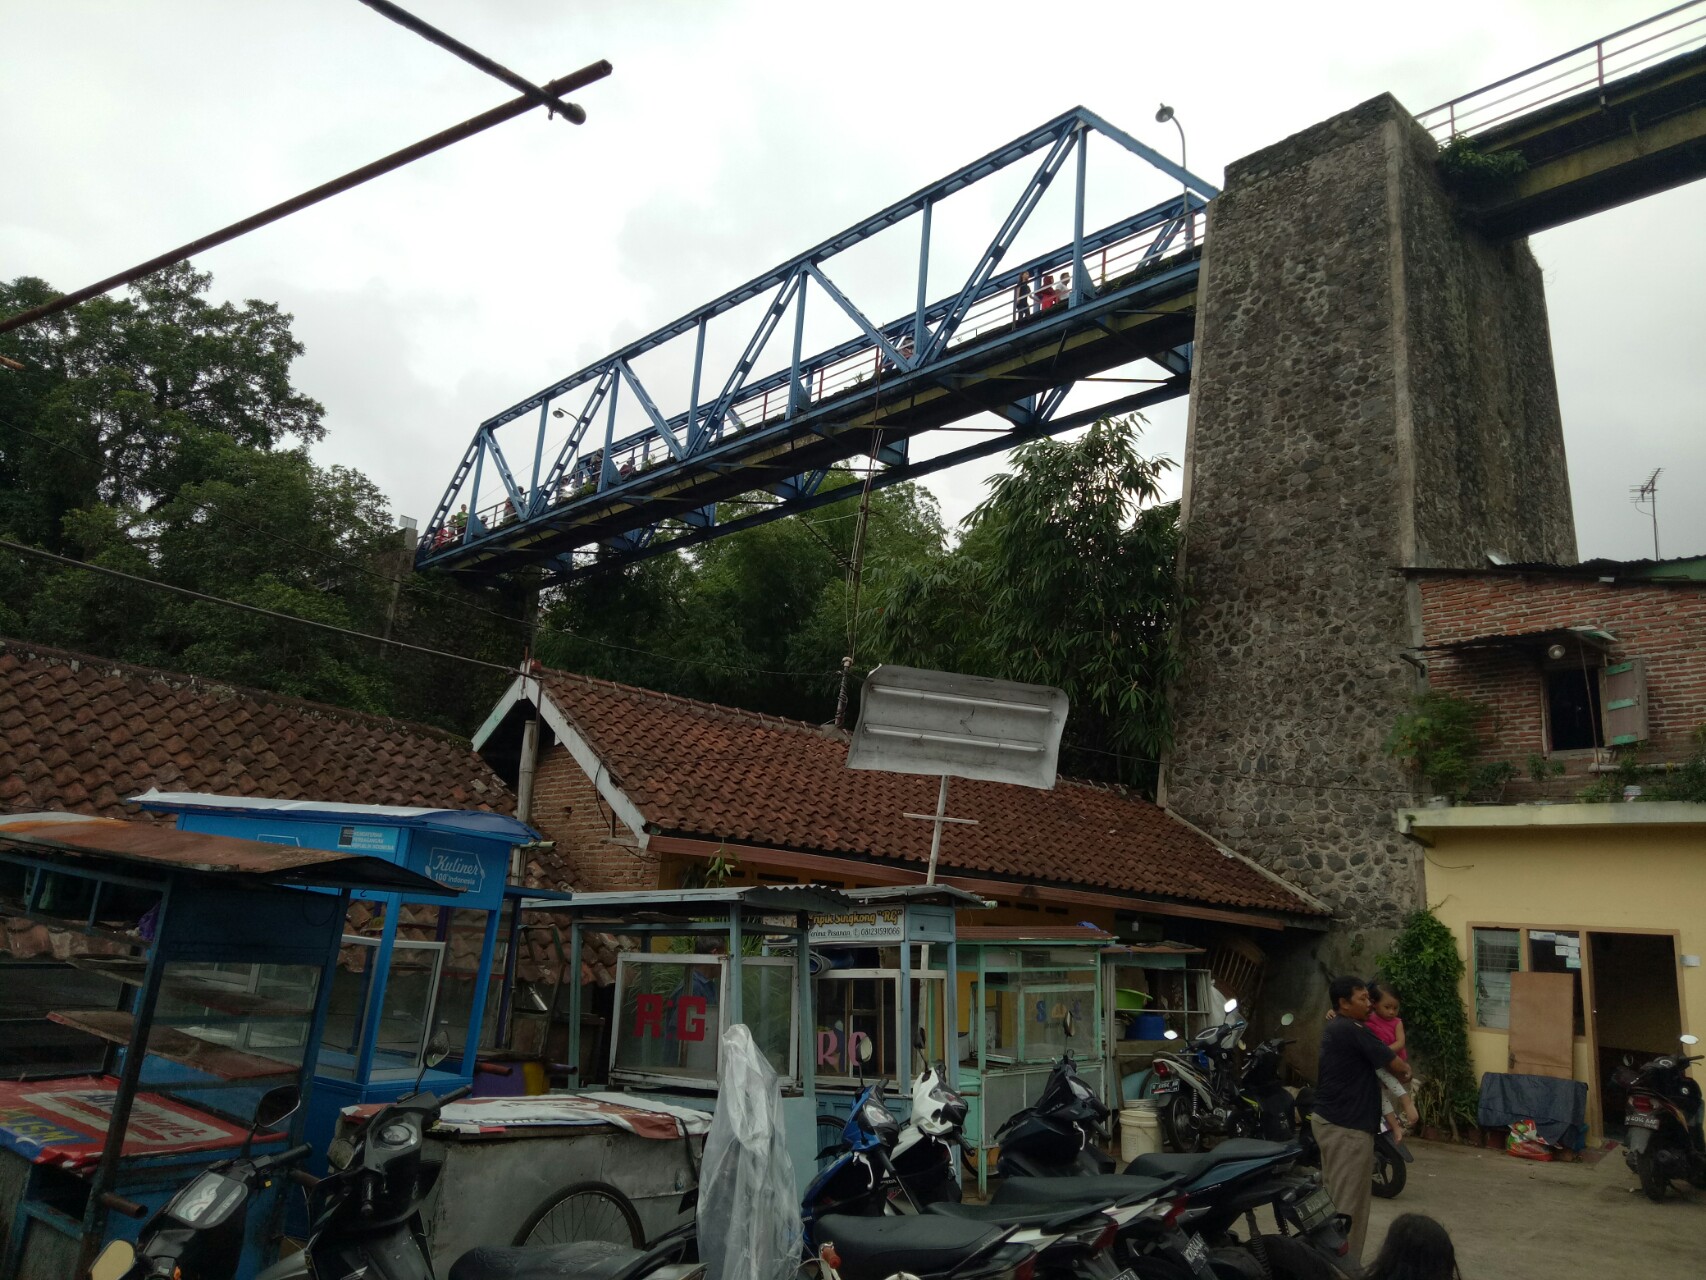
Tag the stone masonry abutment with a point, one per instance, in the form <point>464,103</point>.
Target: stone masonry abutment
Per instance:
<point>1372,388</point>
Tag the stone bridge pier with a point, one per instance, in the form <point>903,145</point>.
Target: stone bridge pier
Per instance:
<point>1373,388</point>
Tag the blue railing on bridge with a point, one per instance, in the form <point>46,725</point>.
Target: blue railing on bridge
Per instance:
<point>989,303</point>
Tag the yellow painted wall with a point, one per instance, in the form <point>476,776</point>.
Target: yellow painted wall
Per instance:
<point>1645,878</point>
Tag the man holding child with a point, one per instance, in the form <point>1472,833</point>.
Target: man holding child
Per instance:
<point>1348,1102</point>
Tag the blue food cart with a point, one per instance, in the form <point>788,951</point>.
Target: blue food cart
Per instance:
<point>212,951</point>
<point>697,961</point>
<point>411,963</point>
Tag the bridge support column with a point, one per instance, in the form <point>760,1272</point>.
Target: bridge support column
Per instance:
<point>1373,388</point>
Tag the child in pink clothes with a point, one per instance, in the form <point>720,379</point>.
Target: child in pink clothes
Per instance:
<point>1384,1021</point>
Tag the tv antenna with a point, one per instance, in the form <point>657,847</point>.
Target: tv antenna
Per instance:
<point>1648,492</point>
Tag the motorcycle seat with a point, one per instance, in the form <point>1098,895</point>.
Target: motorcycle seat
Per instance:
<point>1190,1167</point>
<point>583,1260</point>
<point>1045,1217</point>
<point>1101,1189</point>
<point>876,1248</point>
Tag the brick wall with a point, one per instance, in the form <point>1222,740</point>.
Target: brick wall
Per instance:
<point>595,852</point>
<point>1665,625</point>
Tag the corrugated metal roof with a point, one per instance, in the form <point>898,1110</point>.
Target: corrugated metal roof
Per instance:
<point>690,902</point>
<point>78,838</point>
<point>472,822</point>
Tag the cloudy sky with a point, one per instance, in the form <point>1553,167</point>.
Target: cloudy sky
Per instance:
<point>733,134</point>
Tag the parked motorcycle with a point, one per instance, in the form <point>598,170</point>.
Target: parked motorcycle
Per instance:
<point>199,1233</point>
<point>881,1169</point>
<point>1664,1119</point>
<point>1050,1143</point>
<point>1390,1157</point>
<point>1057,1136</point>
<point>1202,1093</point>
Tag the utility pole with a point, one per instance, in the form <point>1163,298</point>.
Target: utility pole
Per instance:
<point>1648,492</point>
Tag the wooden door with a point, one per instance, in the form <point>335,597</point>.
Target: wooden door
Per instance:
<point>1542,1024</point>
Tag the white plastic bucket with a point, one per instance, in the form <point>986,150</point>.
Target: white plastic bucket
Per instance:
<point>1140,1131</point>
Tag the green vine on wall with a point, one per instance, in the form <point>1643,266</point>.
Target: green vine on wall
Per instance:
<point>1439,737</point>
<point>1424,967</point>
<point>1472,171</point>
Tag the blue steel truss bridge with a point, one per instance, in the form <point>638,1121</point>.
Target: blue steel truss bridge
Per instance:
<point>566,491</point>
<point>606,467</point>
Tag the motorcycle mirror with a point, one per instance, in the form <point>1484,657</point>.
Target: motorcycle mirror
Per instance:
<point>1690,1039</point>
<point>438,1048</point>
<point>114,1262</point>
<point>920,1040</point>
<point>1231,1006</point>
<point>1286,1019</point>
<point>864,1050</point>
<point>340,1152</point>
<point>1067,1023</point>
<point>275,1106</point>
<point>1628,1059</point>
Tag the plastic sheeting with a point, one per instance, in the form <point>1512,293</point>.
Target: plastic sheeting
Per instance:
<point>1557,1107</point>
<point>749,1220</point>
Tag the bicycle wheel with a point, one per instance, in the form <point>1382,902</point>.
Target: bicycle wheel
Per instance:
<point>584,1211</point>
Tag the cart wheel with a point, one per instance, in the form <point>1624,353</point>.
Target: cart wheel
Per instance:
<point>584,1211</point>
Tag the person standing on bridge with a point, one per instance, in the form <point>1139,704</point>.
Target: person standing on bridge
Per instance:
<point>1046,297</point>
<point>1022,298</point>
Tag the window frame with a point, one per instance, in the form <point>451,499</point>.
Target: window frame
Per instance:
<point>1524,943</point>
<point>1550,670</point>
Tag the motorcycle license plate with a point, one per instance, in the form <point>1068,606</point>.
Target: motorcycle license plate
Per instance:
<point>1314,1209</point>
<point>1196,1255</point>
<point>1641,1120</point>
<point>1164,1087</point>
<point>1127,1274</point>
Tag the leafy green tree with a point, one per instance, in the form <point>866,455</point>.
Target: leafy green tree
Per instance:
<point>127,399</point>
<point>759,619</point>
<point>159,434</point>
<point>1066,576</point>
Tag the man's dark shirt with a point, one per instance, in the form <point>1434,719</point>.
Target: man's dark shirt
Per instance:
<point>1347,1093</point>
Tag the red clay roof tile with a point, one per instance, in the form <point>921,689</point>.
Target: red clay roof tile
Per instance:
<point>105,731</point>
<point>697,769</point>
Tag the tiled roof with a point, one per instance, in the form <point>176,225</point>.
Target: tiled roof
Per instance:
<point>695,769</point>
<point>84,734</point>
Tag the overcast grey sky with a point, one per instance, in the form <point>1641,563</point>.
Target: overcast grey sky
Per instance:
<point>734,134</point>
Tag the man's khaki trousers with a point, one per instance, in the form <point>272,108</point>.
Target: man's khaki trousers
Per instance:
<point>1347,1167</point>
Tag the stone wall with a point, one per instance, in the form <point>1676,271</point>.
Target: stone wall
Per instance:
<point>1372,389</point>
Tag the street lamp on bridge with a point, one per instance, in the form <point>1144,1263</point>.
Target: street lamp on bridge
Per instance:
<point>1163,114</point>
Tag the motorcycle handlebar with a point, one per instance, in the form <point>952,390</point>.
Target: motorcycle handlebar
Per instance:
<point>287,1157</point>
<point>461,1091</point>
<point>119,1204</point>
<point>302,1178</point>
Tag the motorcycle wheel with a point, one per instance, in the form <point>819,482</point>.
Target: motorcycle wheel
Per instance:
<point>1181,1129</point>
<point>1390,1174</point>
<point>1653,1180</point>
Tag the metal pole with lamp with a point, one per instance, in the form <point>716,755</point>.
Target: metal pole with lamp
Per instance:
<point>1163,114</point>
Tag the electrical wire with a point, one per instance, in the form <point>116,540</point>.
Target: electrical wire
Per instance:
<point>24,549</point>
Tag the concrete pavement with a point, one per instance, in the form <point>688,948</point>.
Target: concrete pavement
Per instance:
<point>1518,1220</point>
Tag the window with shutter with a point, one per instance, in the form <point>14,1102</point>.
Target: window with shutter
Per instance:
<point>1623,698</point>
